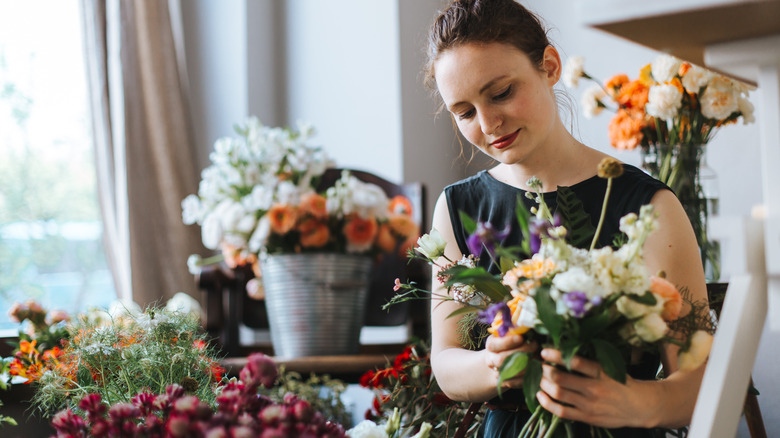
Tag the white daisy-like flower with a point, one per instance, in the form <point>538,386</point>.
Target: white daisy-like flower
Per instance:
<point>664,101</point>
<point>593,101</point>
<point>746,108</point>
<point>695,78</point>
<point>573,71</point>
<point>720,99</point>
<point>664,68</point>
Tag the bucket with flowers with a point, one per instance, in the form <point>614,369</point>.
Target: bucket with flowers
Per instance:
<point>671,111</point>
<point>262,203</point>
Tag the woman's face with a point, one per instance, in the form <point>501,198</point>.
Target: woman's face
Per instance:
<point>501,102</point>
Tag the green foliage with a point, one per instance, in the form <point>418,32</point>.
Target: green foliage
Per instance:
<point>575,220</point>
<point>129,355</point>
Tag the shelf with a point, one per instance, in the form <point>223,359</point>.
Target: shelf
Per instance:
<point>683,28</point>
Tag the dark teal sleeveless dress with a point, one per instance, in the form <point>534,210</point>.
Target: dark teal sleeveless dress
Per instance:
<point>486,199</point>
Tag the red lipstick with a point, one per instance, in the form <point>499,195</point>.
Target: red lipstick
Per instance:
<point>505,140</point>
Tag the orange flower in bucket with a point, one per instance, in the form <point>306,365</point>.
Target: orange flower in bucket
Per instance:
<point>360,233</point>
<point>314,205</point>
<point>282,217</point>
<point>400,205</point>
<point>314,233</point>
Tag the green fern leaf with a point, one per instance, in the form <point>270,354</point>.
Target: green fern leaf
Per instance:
<point>575,219</point>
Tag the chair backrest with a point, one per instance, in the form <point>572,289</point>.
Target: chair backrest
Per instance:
<point>390,265</point>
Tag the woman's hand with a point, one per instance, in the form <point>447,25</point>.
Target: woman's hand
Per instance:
<point>497,349</point>
<point>592,397</point>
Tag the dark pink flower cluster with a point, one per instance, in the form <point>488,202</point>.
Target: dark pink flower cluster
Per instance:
<point>240,412</point>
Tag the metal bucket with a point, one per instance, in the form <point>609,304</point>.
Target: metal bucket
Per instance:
<point>315,302</point>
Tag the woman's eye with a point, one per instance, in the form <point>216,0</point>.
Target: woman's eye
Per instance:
<point>466,114</point>
<point>504,94</point>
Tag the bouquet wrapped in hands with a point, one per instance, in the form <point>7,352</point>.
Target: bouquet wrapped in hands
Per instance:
<point>597,303</point>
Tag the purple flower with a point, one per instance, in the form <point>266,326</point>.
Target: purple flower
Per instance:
<point>539,228</point>
<point>488,315</point>
<point>485,236</point>
<point>576,302</point>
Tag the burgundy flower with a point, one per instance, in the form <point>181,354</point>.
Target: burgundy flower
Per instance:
<point>259,370</point>
<point>92,404</point>
<point>145,402</point>
<point>69,423</point>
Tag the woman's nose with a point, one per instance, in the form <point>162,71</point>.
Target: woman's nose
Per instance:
<point>489,122</point>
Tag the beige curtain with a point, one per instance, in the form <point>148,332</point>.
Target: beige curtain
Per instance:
<point>143,146</point>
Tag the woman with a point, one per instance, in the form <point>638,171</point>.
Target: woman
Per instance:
<point>494,69</point>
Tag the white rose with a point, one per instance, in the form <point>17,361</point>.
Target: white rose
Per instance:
<point>651,327</point>
<point>193,263</point>
<point>720,99</point>
<point>664,68</point>
<point>573,70</point>
<point>367,429</point>
<point>593,101</point>
<point>230,214</point>
<point>431,245</point>
<point>697,353</point>
<point>746,108</point>
<point>664,101</point>
<point>529,315</point>
<point>695,78</point>
<point>246,224</point>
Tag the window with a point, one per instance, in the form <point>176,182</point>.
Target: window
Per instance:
<point>50,225</point>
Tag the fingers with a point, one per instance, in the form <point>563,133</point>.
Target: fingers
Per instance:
<point>497,344</point>
<point>585,367</point>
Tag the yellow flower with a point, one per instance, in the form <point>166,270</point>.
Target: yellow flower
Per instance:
<point>697,353</point>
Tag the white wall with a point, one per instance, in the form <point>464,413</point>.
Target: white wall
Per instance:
<point>342,76</point>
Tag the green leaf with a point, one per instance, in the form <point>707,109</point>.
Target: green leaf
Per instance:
<point>547,314</point>
<point>523,219</point>
<point>648,298</point>
<point>575,219</point>
<point>506,264</point>
<point>468,223</point>
<point>594,324</point>
<point>484,281</point>
<point>610,359</point>
<point>531,383</point>
<point>511,367</point>
<point>462,311</point>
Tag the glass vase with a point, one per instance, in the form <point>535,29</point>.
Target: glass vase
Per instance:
<point>683,167</point>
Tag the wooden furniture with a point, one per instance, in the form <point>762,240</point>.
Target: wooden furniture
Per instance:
<point>227,305</point>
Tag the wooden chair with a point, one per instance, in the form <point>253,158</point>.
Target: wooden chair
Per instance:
<point>227,306</point>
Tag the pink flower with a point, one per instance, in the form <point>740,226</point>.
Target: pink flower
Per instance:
<point>259,370</point>
<point>397,285</point>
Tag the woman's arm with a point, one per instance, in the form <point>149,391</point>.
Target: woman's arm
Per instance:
<point>601,401</point>
<point>462,374</point>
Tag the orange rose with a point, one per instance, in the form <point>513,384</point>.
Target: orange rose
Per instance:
<point>400,204</point>
<point>385,238</point>
<point>515,306</point>
<point>360,232</point>
<point>282,217</point>
<point>314,233</point>
<point>403,226</point>
<point>665,290</point>
<point>633,95</point>
<point>615,83</point>
<point>314,205</point>
<point>625,129</point>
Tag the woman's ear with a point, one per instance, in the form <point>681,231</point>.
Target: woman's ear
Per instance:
<point>552,64</point>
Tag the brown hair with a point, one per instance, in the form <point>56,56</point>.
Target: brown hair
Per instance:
<point>485,21</point>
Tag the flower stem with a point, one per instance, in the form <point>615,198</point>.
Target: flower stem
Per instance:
<point>554,425</point>
<point>603,214</point>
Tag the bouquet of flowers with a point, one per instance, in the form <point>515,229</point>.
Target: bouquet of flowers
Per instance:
<point>598,303</point>
<point>671,111</point>
<point>260,194</point>
<point>390,429</point>
<point>408,388</point>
